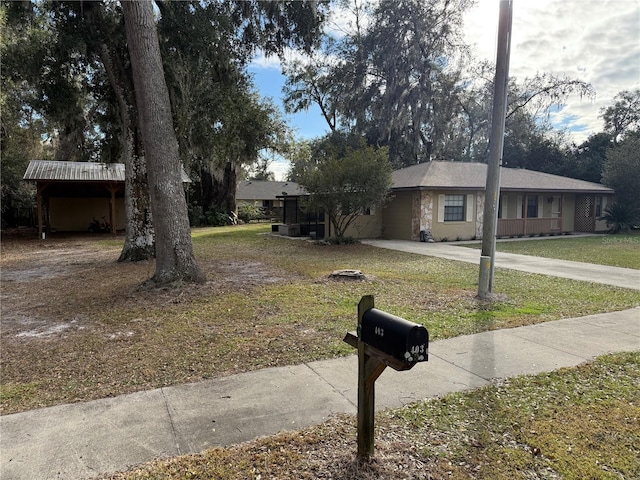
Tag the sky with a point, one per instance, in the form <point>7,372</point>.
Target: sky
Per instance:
<point>597,41</point>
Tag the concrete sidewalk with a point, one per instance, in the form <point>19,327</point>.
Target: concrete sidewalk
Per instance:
<point>588,272</point>
<point>85,439</point>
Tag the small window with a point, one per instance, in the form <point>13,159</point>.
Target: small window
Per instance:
<point>454,208</point>
<point>598,206</point>
<point>532,206</point>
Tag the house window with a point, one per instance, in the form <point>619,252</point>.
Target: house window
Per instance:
<point>598,206</point>
<point>454,208</point>
<point>532,206</point>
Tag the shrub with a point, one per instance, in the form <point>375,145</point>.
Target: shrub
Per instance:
<point>218,218</point>
<point>249,212</point>
<point>620,217</point>
<point>339,241</point>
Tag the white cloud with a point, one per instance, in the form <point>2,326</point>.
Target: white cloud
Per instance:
<point>593,40</point>
<point>280,168</point>
<point>263,62</point>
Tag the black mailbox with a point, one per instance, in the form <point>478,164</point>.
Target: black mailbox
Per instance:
<point>403,340</point>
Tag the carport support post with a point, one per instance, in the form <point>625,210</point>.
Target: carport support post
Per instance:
<point>39,207</point>
<point>369,369</point>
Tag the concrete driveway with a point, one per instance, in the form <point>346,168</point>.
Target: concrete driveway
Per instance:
<point>588,272</point>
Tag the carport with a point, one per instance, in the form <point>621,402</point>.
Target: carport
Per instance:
<point>83,185</point>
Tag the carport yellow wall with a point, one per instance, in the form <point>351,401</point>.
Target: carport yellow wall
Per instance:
<point>75,214</point>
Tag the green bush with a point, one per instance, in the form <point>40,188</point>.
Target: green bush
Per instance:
<point>248,212</point>
<point>217,218</point>
<point>620,217</point>
<point>339,241</point>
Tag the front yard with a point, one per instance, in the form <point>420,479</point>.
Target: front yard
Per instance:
<point>77,326</point>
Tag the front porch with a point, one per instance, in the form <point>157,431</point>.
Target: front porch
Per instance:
<point>516,227</point>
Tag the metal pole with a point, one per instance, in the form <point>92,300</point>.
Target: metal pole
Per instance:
<point>496,143</point>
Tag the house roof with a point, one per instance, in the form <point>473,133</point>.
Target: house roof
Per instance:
<point>59,171</point>
<point>473,176</point>
<point>264,190</point>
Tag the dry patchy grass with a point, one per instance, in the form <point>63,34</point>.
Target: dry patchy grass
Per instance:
<point>77,325</point>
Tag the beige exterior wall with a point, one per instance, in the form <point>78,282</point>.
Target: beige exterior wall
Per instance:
<point>366,226</point>
<point>397,216</point>
<point>462,230</point>
<point>75,214</point>
<point>410,212</point>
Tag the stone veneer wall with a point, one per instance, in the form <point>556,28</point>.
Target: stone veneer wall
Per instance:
<point>422,217</point>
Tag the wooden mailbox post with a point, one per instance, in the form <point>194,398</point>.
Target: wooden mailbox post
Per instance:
<point>382,340</point>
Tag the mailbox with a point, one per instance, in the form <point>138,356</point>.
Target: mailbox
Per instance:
<point>401,339</point>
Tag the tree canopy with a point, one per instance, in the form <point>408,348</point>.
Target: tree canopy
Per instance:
<point>402,77</point>
<point>344,181</point>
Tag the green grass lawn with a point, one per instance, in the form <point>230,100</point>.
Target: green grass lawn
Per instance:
<point>267,302</point>
<point>615,250</point>
<point>575,423</point>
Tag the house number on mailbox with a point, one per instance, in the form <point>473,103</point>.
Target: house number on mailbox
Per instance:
<point>379,331</point>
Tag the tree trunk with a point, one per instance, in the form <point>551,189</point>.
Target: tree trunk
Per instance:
<point>139,241</point>
<point>175,260</point>
<point>224,188</point>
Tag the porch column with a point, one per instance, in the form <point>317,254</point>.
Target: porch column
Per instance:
<point>39,209</point>
<point>112,209</point>
<point>39,189</point>
<point>525,213</point>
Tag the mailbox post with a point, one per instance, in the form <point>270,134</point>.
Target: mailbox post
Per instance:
<point>382,340</point>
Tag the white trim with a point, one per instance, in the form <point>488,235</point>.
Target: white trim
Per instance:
<point>540,206</point>
<point>440,208</point>
<point>469,208</point>
<point>503,207</point>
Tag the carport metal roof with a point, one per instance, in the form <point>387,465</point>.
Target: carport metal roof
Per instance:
<point>78,180</point>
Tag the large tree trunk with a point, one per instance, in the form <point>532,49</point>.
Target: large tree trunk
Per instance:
<point>139,243</point>
<point>174,251</point>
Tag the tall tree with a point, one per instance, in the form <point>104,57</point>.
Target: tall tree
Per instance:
<point>346,182</point>
<point>402,77</point>
<point>78,79</point>
<point>624,115</point>
<point>622,171</point>
<point>175,259</point>
<point>104,34</point>
<point>221,123</point>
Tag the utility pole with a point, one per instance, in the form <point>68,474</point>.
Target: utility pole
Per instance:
<point>496,143</point>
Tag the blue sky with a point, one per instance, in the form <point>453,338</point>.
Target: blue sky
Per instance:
<point>597,41</point>
<point>269,82</point>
